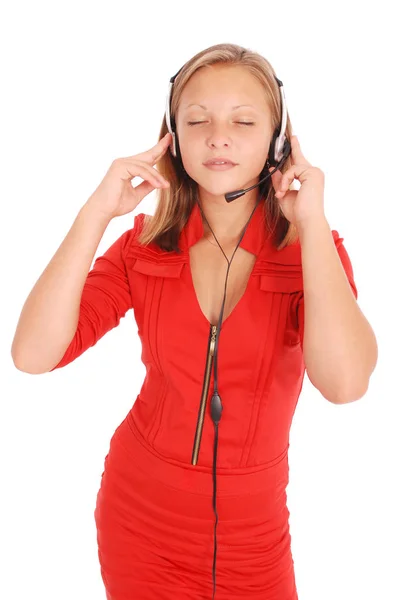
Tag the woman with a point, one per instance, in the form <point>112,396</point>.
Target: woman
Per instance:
<point>169,504</point>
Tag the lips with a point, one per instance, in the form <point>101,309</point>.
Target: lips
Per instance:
<point>213,161</point>
<point>217,167</point>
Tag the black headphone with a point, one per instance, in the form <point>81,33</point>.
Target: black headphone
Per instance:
<point>279,150</point>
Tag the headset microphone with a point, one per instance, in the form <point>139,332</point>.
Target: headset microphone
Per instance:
<point>230,196</point>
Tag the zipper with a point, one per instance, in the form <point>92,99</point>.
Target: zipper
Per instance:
<point>205,390</point>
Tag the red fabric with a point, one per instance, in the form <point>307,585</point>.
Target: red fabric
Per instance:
<point>154,512</point>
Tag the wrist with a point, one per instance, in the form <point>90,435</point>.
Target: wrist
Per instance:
<point>91,209</point>
<point>315,223</point>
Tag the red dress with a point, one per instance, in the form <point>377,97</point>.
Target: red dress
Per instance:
<point>154,513</point>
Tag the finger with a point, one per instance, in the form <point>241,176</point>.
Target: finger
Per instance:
<point>296,152</point>
<point>152,155</point>
<point>155,153</point>
<point>151,170</point>
<point>276,178</point>
<point>142,190</point>
<point>141,169</point>
<point>286,181</point>
<point>295,172</point>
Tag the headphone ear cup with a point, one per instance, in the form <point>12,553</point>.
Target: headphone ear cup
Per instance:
<point>177,154</point>
<point>271,157</point>
<point>173,146</point>
<point>286,150</point>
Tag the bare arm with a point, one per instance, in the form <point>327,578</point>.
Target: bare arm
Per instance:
<point>49,317</point>
<point>51,313</point>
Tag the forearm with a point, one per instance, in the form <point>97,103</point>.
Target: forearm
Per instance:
<point>49,317</point>
<point>340,348</point>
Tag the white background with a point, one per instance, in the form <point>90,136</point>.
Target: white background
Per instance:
<point>84,83</point>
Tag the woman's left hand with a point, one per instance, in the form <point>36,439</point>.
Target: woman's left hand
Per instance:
<point>307,203</point>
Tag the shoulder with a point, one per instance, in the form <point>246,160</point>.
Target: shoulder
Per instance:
<point>139,221</point>
<point>149,256</point>
<point>131,235</point>
<point>121,247</point>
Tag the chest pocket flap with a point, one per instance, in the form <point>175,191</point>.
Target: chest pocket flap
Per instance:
<point>158,269</point>
<point>285,282</point>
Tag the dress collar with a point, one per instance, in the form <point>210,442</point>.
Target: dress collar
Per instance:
<point>256,233</point>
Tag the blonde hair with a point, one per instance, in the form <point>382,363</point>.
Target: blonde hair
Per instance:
<point>175,203</point>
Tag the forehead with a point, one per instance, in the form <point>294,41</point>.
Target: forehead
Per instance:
<point>222,86</point>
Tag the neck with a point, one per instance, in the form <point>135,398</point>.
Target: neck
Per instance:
<point>226,219</point>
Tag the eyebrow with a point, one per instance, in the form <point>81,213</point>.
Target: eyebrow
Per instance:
<point>233,107</point>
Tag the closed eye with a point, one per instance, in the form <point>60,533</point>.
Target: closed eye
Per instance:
<point>240,122</point>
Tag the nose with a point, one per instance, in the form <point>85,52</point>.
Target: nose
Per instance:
<point>218,136</point>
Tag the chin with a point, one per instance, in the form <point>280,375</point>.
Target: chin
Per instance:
<point>219,185</point>
<point>219,190</point>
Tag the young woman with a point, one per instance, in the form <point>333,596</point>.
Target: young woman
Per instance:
<point>192,499</point>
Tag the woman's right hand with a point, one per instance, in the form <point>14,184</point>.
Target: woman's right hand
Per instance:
<point>115,195</point>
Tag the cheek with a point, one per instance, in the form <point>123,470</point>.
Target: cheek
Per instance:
<point>255,157</point>
<point>192,151</point>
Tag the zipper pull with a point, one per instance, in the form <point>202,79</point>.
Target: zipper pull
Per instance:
<point>213,340</point>
<point>216,406</point>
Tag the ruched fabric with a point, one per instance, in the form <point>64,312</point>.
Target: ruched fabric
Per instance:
<point>155,525</point>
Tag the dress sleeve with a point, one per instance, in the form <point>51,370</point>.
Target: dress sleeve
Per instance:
<point>105,299</point>
<point>346,262</point>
